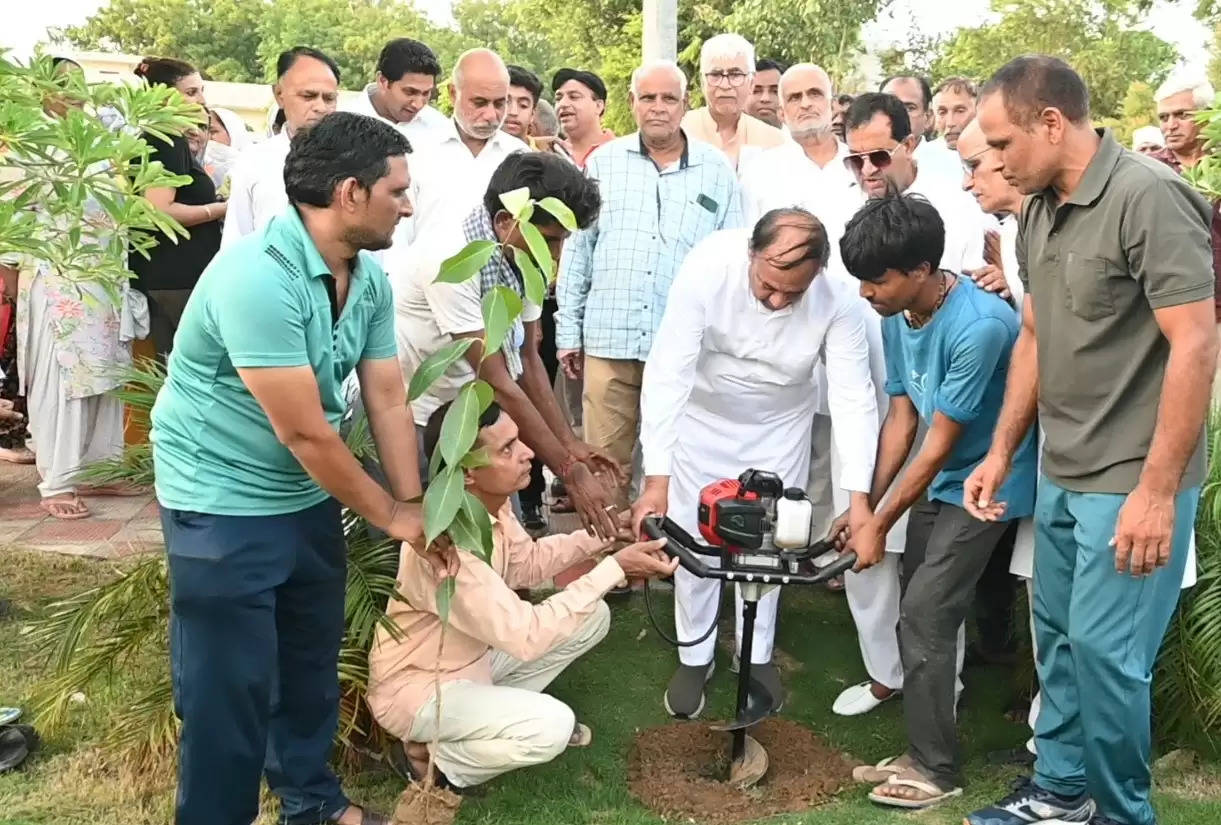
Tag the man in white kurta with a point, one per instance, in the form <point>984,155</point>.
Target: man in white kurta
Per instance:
<point>729,386</point>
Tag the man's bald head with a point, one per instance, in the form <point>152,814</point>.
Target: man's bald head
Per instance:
<point>982,173</point>
<point>805,100</point>
<point>480,91</point>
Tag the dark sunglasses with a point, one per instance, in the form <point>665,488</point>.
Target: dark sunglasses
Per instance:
<point>880,158</point>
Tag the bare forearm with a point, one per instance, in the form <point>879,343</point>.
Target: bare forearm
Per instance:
<point>1181,412</point>
<point>894,445</point>
<point>1021,396</point>
<point>915,481</point>
<point>330,463</point>
<point>394,434</point>
<point>534,382</point>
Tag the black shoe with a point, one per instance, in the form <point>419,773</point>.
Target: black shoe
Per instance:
<point>1031,804</point>
<point>532,518</point>
<point>684,697</point>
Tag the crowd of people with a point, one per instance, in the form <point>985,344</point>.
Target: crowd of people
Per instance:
<point>852,291</point>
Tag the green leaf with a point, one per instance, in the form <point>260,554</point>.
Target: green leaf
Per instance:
<point>445,595</point>
<point>465,533</point>
<point>538,249</point>
<point>486,394</point>
<point>475,459</point>
<point>469,260</point>
<point>560,211</point>
<point>536,286</point>
<point>500,307</point>
<point>475,510</point>
<point>435,365</point>
<point>441,501</point>
<point>516,202</point>
<point>461,425</point>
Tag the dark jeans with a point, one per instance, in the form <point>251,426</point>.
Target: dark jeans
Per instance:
<point>946,552</point>
<point>994,599</point>
<point>533,494</point>
<point>256,620</point>
<point>165,307</point>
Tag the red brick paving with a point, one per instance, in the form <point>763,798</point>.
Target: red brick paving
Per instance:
<point>82,531</point>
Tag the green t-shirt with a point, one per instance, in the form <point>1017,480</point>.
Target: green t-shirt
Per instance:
<point>264,302</point>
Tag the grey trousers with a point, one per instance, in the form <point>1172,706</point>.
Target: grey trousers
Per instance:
<point>947,551</point>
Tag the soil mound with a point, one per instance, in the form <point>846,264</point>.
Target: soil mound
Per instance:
<point>678,770</point>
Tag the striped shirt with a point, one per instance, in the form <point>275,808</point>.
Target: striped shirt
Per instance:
<point>615,275</point>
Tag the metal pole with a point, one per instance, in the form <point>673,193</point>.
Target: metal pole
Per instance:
<point>749,608</point>
<point>660,29</point>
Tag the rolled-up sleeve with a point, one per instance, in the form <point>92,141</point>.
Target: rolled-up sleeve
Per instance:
<point>852,396</point>
<point>669,372</point>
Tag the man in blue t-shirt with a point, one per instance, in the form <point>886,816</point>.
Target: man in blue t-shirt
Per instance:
<point>947,346</point>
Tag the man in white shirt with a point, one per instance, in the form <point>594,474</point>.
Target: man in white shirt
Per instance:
<point>306,90</point>
<point>880,143</point>
<point>407,72</point>
<point>749,316</point>
<point>932,154</point>
<point>451,172</point>
<point>430,315</point>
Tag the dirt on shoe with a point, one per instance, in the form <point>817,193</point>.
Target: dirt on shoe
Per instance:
<point>679,770</point>
<point>431,806</point>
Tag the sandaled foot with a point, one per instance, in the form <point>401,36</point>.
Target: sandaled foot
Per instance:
<point>912,790</point>
<point>16,455</point>
<point>356,815</point>
<point>581,736</point>
<point>66,507</point>
<point>873,774</point>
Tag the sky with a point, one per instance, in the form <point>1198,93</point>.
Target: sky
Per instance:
<point>26,25</point>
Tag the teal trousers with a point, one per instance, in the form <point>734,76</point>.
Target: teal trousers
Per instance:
<point>1098,634</point>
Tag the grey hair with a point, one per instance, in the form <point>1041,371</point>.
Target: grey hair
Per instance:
<point>1202,92</point>
<point>654,65</point>
<point>462,58</point>
<point>544,113</point>
<point>727,47</point>
<point>804,67</point>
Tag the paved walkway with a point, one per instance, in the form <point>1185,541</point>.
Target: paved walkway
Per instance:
<point>119,526</point>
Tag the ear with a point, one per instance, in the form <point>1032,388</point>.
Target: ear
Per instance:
<point>601,107</point>
<point>453,93</point>
<point>275,92</point>
<point>349,194</point>
<point>502,223</point>
<point>1055,123</point>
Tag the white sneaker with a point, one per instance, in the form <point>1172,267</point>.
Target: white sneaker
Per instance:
<point>858,699</point>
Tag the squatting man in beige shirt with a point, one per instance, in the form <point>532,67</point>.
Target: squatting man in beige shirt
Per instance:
<point>500,651</point>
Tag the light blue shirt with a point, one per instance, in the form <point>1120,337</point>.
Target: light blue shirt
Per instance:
<point>616,273</point>
<point>956,365</point>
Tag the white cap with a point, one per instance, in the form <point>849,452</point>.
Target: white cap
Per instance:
<point>1146,135</point>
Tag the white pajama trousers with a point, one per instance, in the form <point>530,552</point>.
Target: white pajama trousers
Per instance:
<point>67,433</point>
<point>488,730</point>
<point>696,602</point>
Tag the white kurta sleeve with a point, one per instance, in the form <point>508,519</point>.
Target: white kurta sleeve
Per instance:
<point>669,372</point>
<point>851,395</point>
<point>239,218</point>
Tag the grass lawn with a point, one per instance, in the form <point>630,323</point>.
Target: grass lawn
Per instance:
<point>616,690</point>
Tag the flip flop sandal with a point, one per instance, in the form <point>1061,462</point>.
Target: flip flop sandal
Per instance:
<point>402,766</point>
<point>367,817</point>
<point>65,510</point>
<point>875,774</point>
<point>913,780</point>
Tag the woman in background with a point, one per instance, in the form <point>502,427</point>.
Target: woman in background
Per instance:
<point>169,274</point>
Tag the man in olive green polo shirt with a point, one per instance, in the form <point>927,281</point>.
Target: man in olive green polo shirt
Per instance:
<point>251,473</point>
<point>1117,352</point>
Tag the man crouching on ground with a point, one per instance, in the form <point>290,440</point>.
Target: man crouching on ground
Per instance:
<point>500,651</point>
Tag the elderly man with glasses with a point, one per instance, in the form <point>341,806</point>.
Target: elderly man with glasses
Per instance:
<point>727,65</point>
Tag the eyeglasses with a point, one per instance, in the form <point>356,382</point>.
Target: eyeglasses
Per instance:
<point>968,168</point>
<point>732,78</point>
<point>880,158</point>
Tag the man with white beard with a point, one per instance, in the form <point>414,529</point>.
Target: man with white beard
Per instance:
<point>729,387</point>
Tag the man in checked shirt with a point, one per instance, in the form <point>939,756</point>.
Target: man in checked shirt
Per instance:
<point>661,195</point>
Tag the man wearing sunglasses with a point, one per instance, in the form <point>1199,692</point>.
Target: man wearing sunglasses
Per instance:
<point>727,67</point>
<point>880,145</point>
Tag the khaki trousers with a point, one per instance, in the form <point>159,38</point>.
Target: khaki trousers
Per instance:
<point>611,409</point>
<point>487,730</point>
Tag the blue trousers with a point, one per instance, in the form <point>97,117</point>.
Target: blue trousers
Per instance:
<point>256,620</point>
<point>1098,634</point>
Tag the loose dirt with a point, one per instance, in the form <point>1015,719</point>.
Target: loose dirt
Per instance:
<point>678,771</point>
<point>435,806</point>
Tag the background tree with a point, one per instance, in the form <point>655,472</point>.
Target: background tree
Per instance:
<point>1100,39</point>
<point>1138,109</point>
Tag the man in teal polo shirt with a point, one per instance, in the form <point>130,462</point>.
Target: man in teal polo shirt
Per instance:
<point>1117,352</point>
<point>251,474</point>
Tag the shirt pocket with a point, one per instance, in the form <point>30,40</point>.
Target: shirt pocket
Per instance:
<point>697,222</point>
<point>1087,287</point>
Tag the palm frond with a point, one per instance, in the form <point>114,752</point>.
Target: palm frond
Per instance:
<point>134,466</point>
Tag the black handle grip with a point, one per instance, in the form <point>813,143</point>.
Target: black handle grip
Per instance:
<point>841,565</point>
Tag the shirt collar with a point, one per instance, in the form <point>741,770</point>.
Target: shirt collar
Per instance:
<point>684,160</point>
<point>451,134</point>
<point>1096,175</point>
<point>294,247</point>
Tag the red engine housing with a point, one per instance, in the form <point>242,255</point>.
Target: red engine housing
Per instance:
<point>727,489</point>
